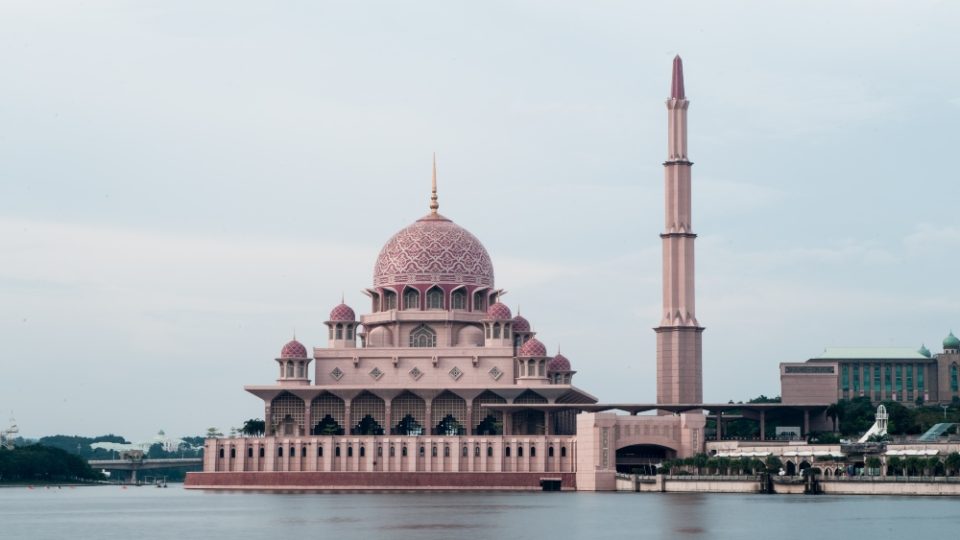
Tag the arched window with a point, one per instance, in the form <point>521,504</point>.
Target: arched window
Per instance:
<point>261,452</point>
<point>459,299</point>
<point>506,451</point>
<point>476,451</point>
<point>489,451</point>
<point>423,336</point>
<point>303,451</point>
<point>279,451</point>
<point>363,451</point>
<point>319,450</point>
<point>478,302</point>
<point>389,300</point>
<point>290,369</point>
<point>563,451</point>
<point>299,370</point>
<point>550,452</point>
<point>496,330</point>
<point>221,453</point>
<point>411,299</point>
<point>336,452</point>
<point>379,451</point>
<point>393,451</point>
<point>423,451</point>
<point>435,298</point>
<point>250,452</point>
<point>403,451</point>
<point>519,451</point>
<point>349,331</point>
<point>533,451</point>
<point>433,452</point>
<point>506,331</point>
<point>349,451</point>
<point>339,331</point>
<point>954,382</point>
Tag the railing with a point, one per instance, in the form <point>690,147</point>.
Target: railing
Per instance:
<point>892,479</point>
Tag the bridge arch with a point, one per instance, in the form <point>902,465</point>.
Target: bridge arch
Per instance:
<point>644,456</point>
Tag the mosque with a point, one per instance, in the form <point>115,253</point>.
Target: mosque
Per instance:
<point>441,386</point>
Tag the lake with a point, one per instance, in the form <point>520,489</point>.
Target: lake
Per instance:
<point>111,512</point>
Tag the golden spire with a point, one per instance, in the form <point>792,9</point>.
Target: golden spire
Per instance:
<point>434,205</point>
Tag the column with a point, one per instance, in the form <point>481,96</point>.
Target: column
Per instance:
<point>348,424</point>
<point>307,423</point>
<point>719,425</point>
<point>806,422</point>
<point>763,425</point>
<point>469,420</point>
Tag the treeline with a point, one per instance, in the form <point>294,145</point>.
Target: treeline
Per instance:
<point>39,463</point>
<point>855,416</point>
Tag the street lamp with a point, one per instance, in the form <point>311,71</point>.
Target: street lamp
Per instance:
<point>944,407</point>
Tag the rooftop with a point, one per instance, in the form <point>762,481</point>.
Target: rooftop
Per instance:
<point>872,353</point>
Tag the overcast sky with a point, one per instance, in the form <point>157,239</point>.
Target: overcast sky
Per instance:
<point>182,186</point>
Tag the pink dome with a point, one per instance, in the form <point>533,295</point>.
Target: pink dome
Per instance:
<point>342,312</point>
<point>533,347</point>
<point>520,324</point>
<point>293,349</point>
<point>433,250</point>
<point>499,311</point>
<point>558,363</point>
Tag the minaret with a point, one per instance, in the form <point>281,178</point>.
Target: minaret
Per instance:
<point>679,336</point>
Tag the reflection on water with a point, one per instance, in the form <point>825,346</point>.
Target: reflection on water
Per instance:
<point>114,513</point>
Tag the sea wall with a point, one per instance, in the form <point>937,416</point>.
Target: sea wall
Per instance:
<point>308,481</point>
<point>891,486</point>
<point>688,484</point>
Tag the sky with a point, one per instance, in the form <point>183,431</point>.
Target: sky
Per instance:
<point>184,185</point>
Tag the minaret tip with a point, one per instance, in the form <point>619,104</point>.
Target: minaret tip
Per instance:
<point>434,205</point>
<point>676,88</point>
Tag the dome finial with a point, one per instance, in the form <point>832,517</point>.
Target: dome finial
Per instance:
<point>434,205</point>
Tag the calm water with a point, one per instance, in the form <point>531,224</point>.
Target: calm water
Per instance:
<point>148,512</point>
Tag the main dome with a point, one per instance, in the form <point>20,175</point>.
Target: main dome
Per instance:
<point>433,249</point>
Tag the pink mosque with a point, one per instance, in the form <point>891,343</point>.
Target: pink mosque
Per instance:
<point>441,386</point>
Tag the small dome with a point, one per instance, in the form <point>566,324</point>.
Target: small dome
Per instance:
<point>924,351</point>
<point>342,312</point>
<point>533,348</point>
<point>558,363</point>
<point>499,312</point>
<point>293,349</point>
<point>380,336</point>
<point>470,336</point>
<point>520,324</point>
<point>951,342</point>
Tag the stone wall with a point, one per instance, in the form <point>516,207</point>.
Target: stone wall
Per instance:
<point>306,481</point>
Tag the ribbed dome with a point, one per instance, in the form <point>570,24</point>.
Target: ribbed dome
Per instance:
<point>951,342</point>
<point>558,363</point>
<point>499,312</point>
<point>342,312</point>
<point>433,250</point>
<point>533,347</point>
<point>520,324</point>
<point>293,349</point>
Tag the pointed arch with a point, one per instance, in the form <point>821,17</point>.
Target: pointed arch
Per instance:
<point>458,298</point>
<point>435,298</point>
<point>411,298</point>
<point>423,336</point>
<point>408,413</point>
<point>449,414</point>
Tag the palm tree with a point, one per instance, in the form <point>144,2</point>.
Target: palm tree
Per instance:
<point>873,463</point>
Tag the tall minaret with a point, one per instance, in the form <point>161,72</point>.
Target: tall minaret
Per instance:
<point>679,336</point>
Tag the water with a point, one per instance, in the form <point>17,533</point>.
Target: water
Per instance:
<point>148,513</point>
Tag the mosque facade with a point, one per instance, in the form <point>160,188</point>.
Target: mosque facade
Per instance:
<point>439,385</point>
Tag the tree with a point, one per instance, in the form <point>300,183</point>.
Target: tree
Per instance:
<point>213,433</point>
<point>873,463</point>
<point>952,462</point>
<point>773,464</point>
<point>913,465</point>
<point>254,427</point>
<point>894,465</point>
<point>700,461</point>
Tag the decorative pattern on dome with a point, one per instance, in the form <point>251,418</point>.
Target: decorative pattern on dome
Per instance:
<point>499,311</point>
<point>520,324</point>
<point>534,348</point>
<point>433,250</point>
<point>558,363</point>
<point>293,349</point>
<point>342,312</point>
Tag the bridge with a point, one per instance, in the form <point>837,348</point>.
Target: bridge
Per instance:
<point>135,464</point>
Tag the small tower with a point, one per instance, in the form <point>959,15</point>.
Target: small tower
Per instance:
<point>294,363</point>
<point>559,371</point>
<point>532,362</point>
<point>498,326</point>
<point>521,331</point>
<point>342,327</point>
